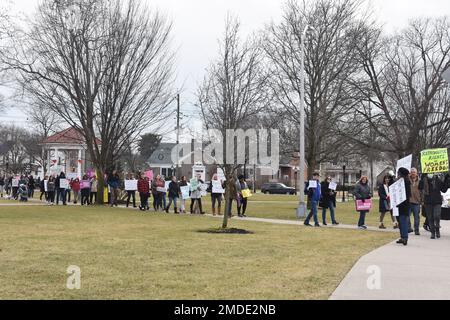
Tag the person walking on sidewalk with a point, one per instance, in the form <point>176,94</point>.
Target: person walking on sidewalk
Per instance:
<point>327,201</point>
<point>385,202</point>
<point>403,208</point>
<point>362,192</point>
<point>414,202</point>
<point>432,186</point>
<point>241,185</point>
<point>314,194</point>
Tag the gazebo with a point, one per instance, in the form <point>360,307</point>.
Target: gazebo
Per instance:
<point>66,152</point>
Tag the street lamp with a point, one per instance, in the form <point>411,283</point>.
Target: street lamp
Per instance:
<point>301,210</point>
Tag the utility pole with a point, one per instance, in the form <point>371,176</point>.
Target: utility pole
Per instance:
<point>301,209</point>
<point>178,134</point>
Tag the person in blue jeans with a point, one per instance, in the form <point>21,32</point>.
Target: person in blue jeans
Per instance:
<point>314,194</point>
<point>403,208</point>
<point>362,192</point>
<point>327,201</point>
<point>414,201</point>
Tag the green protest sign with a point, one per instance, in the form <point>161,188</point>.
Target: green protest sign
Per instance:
<point>434,161</point>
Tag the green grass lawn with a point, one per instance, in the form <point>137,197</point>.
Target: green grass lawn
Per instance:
<point>124,254</point>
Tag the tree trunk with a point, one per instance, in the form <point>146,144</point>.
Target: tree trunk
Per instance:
<point>101,187</point>
<point>227,203</point>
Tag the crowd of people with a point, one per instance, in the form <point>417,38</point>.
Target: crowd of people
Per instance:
<point>18,188</point>
<point>423,194</point>
<point>54,191</point>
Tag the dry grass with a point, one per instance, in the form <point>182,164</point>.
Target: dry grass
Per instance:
<point>124,254</point>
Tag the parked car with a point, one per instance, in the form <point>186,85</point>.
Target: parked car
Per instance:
<point>277,188</point>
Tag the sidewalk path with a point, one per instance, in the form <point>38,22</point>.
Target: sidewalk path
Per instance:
<point>419,271</point>
<point>300,223</point>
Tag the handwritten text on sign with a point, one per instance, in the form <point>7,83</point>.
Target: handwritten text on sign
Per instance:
<point>434,161</point>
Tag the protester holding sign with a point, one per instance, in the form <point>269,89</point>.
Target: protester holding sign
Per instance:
<point>415,201</point>
<point>385,205</point>
<point>184,189</point>
<point>217,190</point>
<point>241,187</point>
<point>131,190</point>
<point>85,190</point>
<point>94,190</point>
<point>314,195</point>
<point>432,186</point>
<point>363,194</point>
<point>51,190</point>
<point>144,192</point>
<point>76,187</point>
<point>327,201</point>
<point>174,194</point>
<point>158,191</point>
<point>403,208</point>
<point>196,194</point>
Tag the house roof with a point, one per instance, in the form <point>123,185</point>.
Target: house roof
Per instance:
<point>162,155</point>
<point>68,136</point>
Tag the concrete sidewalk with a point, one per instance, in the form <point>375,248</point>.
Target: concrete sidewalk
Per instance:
<point>419,271</point>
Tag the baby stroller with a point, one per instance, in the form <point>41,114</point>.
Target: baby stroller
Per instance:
<point>23,193</point>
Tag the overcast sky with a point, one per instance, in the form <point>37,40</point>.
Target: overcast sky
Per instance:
<point>199,23</point>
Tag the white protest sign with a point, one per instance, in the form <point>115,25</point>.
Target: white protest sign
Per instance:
<point>395,212</point>
<point>333,186</point>
<point>312,184</point>
<point>185,192</point>
<point>45,185</point>
<point>220,175</point>
<point>15,183</point>
<point>72,175</point>
<point>63,183</point>
<point>397,193</point>
<point>405,163</point>
<point>166,185</point>
<point>217,187</point>
<point>161,189</point>
<point>131,185</point>
<point>203,188</point>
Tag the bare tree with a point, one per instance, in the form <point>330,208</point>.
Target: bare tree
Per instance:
<point>233,92</point>
<point>104,67</point>
<point>400,95</point>
<point>329,62</point>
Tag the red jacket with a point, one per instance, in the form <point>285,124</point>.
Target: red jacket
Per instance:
<point>143,186</point>
<point>75,185</point>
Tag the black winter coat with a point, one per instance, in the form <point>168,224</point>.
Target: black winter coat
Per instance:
<point>384,202</point>
<point>435,187</point>
<point>403,208</point>
<point>174,190</point>
<point>327,195</point>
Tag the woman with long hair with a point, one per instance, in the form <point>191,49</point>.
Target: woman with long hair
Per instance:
<point>362,193</point>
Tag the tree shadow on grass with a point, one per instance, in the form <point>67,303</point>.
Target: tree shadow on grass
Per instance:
<point>225,231</point>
